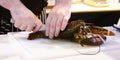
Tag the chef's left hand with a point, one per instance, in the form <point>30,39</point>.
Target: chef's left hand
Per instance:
<point>57,20</point>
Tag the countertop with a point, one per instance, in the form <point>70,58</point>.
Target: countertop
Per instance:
<point>81,7</point>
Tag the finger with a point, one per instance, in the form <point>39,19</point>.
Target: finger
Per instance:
<point>22,27</point>
<point>17,24</point>
<point>58,26</point>
<point>52,28</point>
<point>30,28</point>
<point>64,23</point>
<point>48,25</point>
<point>37,27</point>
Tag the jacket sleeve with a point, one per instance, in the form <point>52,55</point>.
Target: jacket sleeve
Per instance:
<point>36,6</point>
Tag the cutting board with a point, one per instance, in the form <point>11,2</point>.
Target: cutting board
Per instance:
<point>46,48</point>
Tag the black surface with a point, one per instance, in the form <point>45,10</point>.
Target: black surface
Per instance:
<point>98,18</point>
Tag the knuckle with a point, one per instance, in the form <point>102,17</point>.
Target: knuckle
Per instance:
<point>16,25</point>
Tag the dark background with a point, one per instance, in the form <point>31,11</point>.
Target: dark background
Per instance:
<point>98,18</point>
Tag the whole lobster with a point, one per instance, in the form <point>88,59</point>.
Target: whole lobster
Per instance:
<point>80,32</point>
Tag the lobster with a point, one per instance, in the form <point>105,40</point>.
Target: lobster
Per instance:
<point>80,32</point>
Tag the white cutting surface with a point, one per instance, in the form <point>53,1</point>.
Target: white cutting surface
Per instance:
<point>46,48</point>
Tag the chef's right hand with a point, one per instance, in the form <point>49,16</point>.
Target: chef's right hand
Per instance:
<point>24,19</point>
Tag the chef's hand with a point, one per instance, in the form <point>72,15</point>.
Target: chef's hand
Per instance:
<point>24,19</point>
<point>57,20</point>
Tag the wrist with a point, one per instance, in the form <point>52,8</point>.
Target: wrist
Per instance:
<point>11,4</point>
